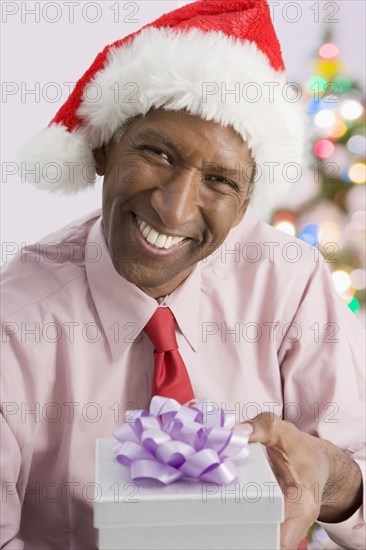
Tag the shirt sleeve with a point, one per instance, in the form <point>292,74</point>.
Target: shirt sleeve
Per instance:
<point>323,378</point>
<point>10,476</point>
<point>351,533</point>
<point>10,499</point>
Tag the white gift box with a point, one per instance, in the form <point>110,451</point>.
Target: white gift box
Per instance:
<point>245,514</point>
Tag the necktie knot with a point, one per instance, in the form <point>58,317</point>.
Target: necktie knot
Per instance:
<point>161,330</point>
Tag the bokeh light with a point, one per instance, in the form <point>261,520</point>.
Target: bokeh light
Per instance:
<point>329,232</point>
<point>358,279</point>
<point>328,50</point>
<point>323,148</point>
<point>357,173</point>
<point>314,106</point>
<point>347,295</point>
<point>310,234</point>
<point>316,84</point>
<point>328,68</point>
<point>286,227</point>
<point>284,217</point>
<point>341,280</point>
<point>351,109</point>
<point>354,305</point>
<point>354,232</point>
<point>342,84</point>
<point>357,144</point>
<point>325,118</point>
<point>345,175</point>
<point>340,128</point>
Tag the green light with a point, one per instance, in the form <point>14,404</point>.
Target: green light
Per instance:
<point>316,84</point>
<point>342,84</point>
<point>354,305</point>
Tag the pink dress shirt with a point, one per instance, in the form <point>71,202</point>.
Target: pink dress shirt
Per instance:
<point>260,327</point>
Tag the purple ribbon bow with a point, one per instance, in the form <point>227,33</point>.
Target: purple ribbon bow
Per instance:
<point>174,441</point>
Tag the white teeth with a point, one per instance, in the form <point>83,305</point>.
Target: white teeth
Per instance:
<point>168,242</point>
<point>177,240</point>
<point>157,239</point>
<point>152,236</point>
<point>146,231</point>
<point>160,241</point>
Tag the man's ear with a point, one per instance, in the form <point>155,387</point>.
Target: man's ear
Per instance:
<point>100,159</point>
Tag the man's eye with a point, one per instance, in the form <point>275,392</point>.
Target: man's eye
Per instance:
<point>158,152</point>
<point>220,179</point>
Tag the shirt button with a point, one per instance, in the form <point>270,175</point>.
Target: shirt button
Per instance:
<point>359,525</point>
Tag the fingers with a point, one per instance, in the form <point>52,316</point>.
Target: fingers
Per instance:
<point>300,514</point>
<point>292,532</point>
<point>246,428</point>
<point>294,459</point>
<point>266,428</point>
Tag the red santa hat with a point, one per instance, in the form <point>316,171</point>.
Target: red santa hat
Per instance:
<point>219,60</point>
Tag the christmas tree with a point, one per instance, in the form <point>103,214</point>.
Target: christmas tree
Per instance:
<point>331,215</point>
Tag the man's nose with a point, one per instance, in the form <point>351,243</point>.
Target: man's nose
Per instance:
<point>176,201</point>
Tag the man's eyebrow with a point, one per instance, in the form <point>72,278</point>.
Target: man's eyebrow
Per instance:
<point>221,168</point>
<point>149,134</point>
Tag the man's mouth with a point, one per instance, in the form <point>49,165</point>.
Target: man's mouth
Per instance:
<point>155,239</point>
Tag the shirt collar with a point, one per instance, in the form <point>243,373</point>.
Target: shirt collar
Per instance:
<point>185,305</point>
<point>119,302</point>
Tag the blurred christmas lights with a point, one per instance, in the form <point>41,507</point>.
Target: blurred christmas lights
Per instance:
<point>340,128</point>
<point>328,50</point>
<point>323,148</point>
<point>310,234</point>
<point>325,118</point>
<point>357,144</point>
<point>357,173</point>
<point>329,232</point>
<point>341,280</point>
<point>351,109</point>
<point>316,85</point>
<point>286,227</point>
<point>336,120</point>
<point>335,219</point>
<point>358,279</point>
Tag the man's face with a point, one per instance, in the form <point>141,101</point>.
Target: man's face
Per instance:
<point>164,180</point>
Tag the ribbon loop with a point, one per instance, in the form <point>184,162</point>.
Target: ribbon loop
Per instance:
<point>173,441</point>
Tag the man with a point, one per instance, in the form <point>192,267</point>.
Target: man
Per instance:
<point>264,335</point>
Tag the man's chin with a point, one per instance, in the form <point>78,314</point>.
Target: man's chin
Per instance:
<point>152,283</point>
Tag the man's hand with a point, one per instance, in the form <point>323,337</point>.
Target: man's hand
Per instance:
<point>318,480</point>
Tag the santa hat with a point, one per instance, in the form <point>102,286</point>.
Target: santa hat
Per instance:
<point>219,60</point>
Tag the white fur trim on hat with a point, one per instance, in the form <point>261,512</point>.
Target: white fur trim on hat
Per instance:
<point>58,161</point>
<point>196,71</point>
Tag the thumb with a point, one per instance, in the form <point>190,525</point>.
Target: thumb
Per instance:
<point>246,428</point>
<point>263,428</point>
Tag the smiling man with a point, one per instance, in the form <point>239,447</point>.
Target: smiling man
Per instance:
<point>253,322</point>
<point>180,201</point>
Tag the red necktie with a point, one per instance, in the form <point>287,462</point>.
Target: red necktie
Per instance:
<point>170,374</point>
